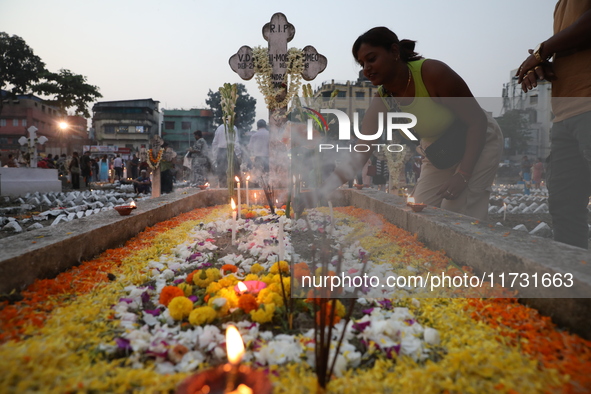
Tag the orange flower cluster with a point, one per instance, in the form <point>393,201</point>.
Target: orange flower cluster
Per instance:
<point>229,268</point>
<point>537,336</point>
<point>247,302</point>
<point>301,269</point>
<point>44,295</point>
<point>327,311</point>
<point>169,293</point>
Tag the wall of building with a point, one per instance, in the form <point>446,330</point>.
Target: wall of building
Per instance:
<point>179,126</point>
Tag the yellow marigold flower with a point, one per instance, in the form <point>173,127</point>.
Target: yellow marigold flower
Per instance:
<point>256,268</point>
<point>213,288</point>
<point>180,307</point>
<point>262,212</point>
<point>269,278</point>
<point>280,212</point>
<point>202,315</point>
<point>251,277</point>
<point>186,288</point>
<point>341,311</point>
<point>284,267</point>
<point>276,285</point>
<point>267,296</point>
<point>205,277</point>
<point>264,314</point>
<point>220,305</point>
<point>230,296</point>
<point>228,281</point>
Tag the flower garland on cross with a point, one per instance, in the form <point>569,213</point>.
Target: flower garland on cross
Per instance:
<point>154,162</point>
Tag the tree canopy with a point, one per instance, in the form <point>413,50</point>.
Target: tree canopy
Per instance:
<point>20,68</point>
<point>245,108</point>
<point>21,72</point>
<point>68,91</point>
<point>514,124</point>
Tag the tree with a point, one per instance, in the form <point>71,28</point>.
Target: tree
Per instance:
<point>245,108</point>
<point>20,68</point>
<point>514,124</point>
<point>68,90</point>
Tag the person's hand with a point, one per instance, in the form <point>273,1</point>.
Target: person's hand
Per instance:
<point>453,187</point>
<point>531,71</point>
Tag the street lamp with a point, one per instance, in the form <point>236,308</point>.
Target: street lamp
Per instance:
<point>63,126</point>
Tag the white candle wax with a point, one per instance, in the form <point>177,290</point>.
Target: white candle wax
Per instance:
<point>238,188</point>
<point>247,196</point>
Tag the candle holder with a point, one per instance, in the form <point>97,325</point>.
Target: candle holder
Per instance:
<point>416,207</point>
<point>214,381</point>
<point>202,187</point>
<point>125,210</point>
<point>358,186</point>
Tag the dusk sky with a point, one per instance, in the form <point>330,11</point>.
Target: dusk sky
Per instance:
<point>176,51</point>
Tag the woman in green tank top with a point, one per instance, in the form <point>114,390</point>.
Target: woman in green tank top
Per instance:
<point>438,97</point>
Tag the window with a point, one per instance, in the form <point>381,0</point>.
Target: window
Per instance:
<point>109,129</point>
<point>139,129</point>
<point>15,122</point>
<point>186,125</point>
<point>360,95</point>
<point>169,125</point>
<point>2,122</point>
<point>121,129</point>
<point>24,123</point>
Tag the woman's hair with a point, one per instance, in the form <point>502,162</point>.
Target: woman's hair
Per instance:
<point>384,37</point>
<point>198,133</point>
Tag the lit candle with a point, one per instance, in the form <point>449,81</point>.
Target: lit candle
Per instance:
<point>242,288</point>
<point>247,197</point>
<point>238,187</point>
<point>242,389</point>
<point>255,198</point>
<point>132,204</point>
<point>233,204</point>
<point>235,350</point>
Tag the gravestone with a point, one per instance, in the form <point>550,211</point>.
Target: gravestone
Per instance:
<point>156,145</point>
<point>278,32</point>
<point>31,143</point>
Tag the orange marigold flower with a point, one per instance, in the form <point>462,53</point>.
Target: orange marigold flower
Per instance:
<point>190,277</point>
<point>247,302</point>
<point>170,292</point>
<point>226,268</point>
<point>326,308</point>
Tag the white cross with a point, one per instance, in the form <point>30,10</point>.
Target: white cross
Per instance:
<point>32,142</point>
<point>278,32</point>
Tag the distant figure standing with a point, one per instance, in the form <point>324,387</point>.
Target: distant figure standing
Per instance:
<point>134,166</point>
<point>75,171</point>
<point>166,169</point>
<point>538,170</point>
<point>86,168</point>
<point>104,169</point>
<point>525,169</point>
<point>200,162</point>
<point>259,148</point>
<point>118,166</point>
<point>219,148</point>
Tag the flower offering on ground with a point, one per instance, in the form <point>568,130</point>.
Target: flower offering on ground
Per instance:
<point>143,317</point>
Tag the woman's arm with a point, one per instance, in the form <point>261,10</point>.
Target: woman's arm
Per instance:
<point>449,89</point>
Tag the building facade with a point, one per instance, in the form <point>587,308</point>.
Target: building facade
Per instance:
<point>24,111</point>
<point>126,123</point>
<point>352,97</point>
<point>538,107</point>
<point>179,126</point>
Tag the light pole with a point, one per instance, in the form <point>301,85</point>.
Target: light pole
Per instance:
<point>63,127</point>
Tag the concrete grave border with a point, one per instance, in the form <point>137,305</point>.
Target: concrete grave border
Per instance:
<point>43,253</point>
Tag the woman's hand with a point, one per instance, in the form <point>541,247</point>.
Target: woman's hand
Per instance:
<point>453,187</point>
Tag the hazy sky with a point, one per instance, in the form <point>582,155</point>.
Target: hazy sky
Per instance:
<point>175,51</point>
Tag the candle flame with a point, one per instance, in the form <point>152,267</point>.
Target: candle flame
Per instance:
<point>234,345</point>
<point>248,177</point>
<point>242,389</point>
<point>237,179</point>
<point>276,201</point>
<point>207,184</point>
<point>242,287</point>
<point>410,200</point>
<point>132,204</point>
<point>232,204</point>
